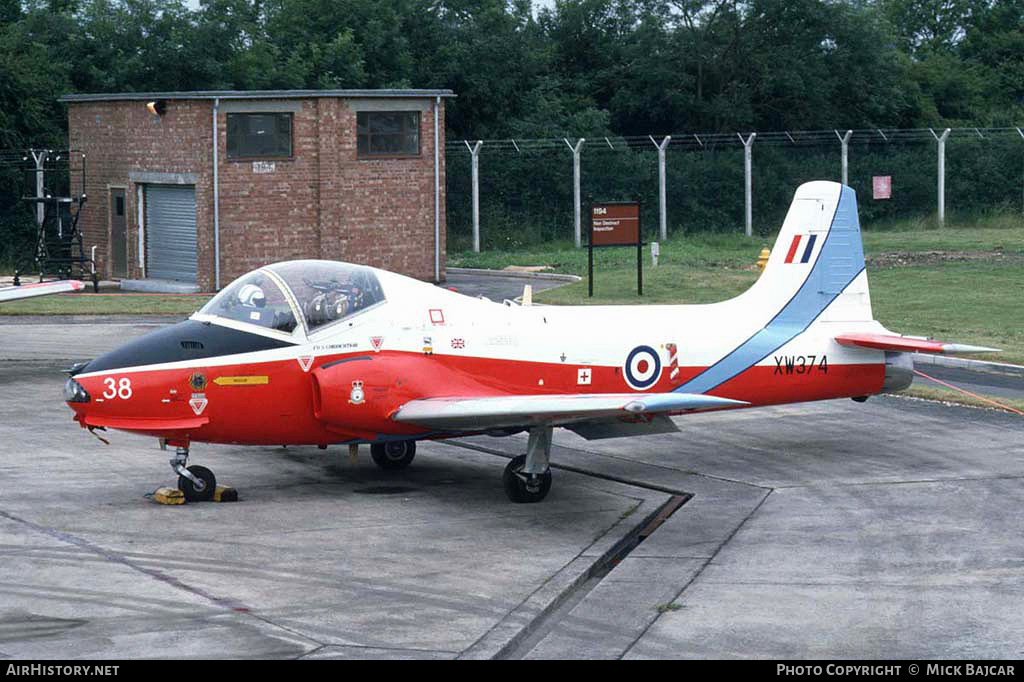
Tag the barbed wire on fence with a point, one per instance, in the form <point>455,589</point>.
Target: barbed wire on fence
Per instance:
<point>866,142</point>
<point>794,138</point>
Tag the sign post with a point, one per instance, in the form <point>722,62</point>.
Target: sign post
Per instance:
<point>615,223</point>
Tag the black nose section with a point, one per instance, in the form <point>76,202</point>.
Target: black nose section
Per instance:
<point>188,340</point>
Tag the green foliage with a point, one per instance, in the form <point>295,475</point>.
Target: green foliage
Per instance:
<point>575,68</point>
<point>579,67</point>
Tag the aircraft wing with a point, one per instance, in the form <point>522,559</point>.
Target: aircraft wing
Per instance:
<point>556,410</point>
<point>906,344</point>
<point>39,289</point>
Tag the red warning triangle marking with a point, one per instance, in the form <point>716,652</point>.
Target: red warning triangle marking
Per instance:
<point>305,362</point>
<point>198,405</point>
<point>376,342</point>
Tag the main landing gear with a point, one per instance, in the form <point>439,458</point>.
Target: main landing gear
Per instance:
<point>527,478</point>
<point>196,482</point>
<point>393,455</point>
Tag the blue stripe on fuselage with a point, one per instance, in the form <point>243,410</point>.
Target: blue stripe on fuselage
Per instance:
<point>843,242</point>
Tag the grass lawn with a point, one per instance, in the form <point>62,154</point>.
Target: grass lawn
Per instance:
<point>107,304</point>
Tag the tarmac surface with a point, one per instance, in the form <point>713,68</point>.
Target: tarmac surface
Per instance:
<point>889,529</point>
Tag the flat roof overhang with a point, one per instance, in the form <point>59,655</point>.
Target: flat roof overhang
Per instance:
<point>256,94</point>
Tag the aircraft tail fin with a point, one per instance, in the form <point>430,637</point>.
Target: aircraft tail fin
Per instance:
<point>814,273</point>
<point>817,262</point>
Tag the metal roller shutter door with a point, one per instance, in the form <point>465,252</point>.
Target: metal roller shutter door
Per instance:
<point>171,232</point>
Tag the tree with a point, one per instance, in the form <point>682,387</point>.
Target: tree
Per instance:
<point>930,26</point>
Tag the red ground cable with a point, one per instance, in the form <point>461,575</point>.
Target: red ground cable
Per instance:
<point>973,395</point>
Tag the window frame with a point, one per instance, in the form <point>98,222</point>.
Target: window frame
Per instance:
<point>369,155</point>
<point>260,157</point>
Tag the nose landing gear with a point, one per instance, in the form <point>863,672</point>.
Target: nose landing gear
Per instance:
<point>197,482</point>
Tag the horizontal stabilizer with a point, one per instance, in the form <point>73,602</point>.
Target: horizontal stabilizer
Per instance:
<point>555,410</point>
<point>906,344</point>
<point>40,289</point>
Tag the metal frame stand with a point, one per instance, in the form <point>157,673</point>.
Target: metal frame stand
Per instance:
<point>59,247</point>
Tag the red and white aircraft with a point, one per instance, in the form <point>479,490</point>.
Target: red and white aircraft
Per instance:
<point>39,289</point>
<point>321,352</point>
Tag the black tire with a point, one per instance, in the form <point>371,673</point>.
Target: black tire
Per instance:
<point>192,494</point>
<point>520,491</point>
<point>393,455</point>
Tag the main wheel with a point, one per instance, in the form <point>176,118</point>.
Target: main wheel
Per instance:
<point>194,493</point>
<point>522,487</point>
<point>396,454</point>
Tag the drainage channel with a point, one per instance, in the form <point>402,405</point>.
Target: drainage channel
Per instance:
<point>545,622</point>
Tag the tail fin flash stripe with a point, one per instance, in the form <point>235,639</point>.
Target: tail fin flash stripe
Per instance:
<point>804,307</point>
<point>810,248</point>
<point>792,249</point>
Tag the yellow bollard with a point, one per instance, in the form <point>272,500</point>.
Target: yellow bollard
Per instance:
<point>762,260</point>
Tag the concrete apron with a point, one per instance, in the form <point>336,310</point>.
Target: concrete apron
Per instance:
<point>322,556</point>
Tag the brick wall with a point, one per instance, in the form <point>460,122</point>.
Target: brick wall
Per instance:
<point>119,138</point>
<point>322,203</point>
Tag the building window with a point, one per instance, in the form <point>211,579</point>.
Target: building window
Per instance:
<point>388,133</point>
<point>259,136</point>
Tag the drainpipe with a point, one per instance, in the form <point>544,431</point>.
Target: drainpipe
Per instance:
<point>437,194</point>
<point>216,201</point>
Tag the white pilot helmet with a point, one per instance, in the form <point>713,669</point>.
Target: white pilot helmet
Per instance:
<point>252,295</point>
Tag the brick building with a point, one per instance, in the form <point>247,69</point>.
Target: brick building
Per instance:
<point>350,175</point>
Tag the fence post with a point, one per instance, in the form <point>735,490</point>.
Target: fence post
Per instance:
<point>475,151</point>
<point>1019,132</point>
<point>40,159</point>
<point>576,184</point>
<point>942,174</point>
<point>747,184</point>
<point>844,140</point>
<point>662,209</point>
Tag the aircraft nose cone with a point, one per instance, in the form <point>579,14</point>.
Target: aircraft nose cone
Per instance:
<point>74,392</point>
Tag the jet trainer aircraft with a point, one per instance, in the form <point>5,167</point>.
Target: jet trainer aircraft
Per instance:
<point>321,352</point>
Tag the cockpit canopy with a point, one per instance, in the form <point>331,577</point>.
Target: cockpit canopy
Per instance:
<point>315,292</point>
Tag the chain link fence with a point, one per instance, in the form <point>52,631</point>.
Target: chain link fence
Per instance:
<point>526,187</point>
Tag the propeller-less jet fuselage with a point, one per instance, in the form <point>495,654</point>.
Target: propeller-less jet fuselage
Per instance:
<point>322,352</point>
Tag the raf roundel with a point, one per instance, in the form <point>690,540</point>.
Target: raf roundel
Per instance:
<point>642,368</point>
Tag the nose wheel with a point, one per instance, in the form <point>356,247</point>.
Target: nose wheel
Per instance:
<point>200,486</point>
<point>197,482</point>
